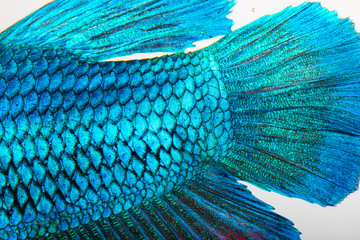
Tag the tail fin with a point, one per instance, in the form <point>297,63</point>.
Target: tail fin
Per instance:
<point>293,80</point>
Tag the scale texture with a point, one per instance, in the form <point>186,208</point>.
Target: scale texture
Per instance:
<point>154,148</point>
<point>90,140</point>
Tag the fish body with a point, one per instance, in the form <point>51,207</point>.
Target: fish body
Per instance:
<point>108,134</point>
<point>154,148</point>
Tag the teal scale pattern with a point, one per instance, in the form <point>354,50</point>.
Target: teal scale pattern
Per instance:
<point>83,140</point>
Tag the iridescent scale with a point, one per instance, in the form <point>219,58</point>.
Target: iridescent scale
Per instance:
<point>83,140</point>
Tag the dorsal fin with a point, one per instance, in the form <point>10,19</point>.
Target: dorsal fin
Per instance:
<point>106,29</point>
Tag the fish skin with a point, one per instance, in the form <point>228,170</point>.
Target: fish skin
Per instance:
<point>82,139</point>
<point>202,177</point>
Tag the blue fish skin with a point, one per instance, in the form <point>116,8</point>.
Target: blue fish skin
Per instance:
<point>86,140</point>
<point>154,148</point>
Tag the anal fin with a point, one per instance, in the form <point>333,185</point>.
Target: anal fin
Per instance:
<point>213,205</point>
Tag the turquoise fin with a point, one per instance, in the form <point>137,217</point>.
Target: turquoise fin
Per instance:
<point>106,29</point>
<point>294,84</point>
<point>211,206</point>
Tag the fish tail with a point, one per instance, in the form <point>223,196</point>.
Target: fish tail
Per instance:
<point>293,83</point>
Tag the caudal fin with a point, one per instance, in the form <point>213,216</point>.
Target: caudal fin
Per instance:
<point>293,80</point>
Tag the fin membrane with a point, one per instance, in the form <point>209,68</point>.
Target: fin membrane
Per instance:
<point>211,206</point>
<point>106,29</point>
<point>294,84</point>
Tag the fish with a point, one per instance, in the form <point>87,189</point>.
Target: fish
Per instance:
<point>92,148</point>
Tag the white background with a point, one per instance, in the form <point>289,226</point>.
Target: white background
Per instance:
<point>316,223</point>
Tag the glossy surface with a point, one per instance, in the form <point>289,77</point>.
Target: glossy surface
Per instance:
<point>153,148</point>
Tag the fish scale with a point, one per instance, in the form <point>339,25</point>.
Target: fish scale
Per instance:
<point>155,148</point>
<point>87,143</point>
